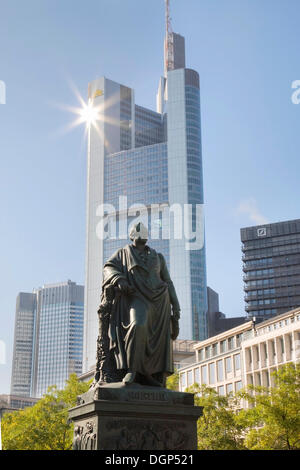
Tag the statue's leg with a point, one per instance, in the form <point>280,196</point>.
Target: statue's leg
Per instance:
<point>136,339</point>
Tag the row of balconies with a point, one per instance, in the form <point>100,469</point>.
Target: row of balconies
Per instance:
<point>271,352</point>
<point>268,362</point>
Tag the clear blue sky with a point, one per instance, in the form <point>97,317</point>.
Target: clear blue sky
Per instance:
<point>247,53</point>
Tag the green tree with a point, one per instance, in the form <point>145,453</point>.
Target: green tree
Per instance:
<point>275,414</point>
<point>44,426</point>
<point>221,427</point>
<point>173,381</point>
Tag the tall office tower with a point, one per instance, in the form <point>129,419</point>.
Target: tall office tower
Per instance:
<point>59,339</point>
<point>140,157</point>
<point>271,264</point>
<point>48,338</point>
<point>21,377</point>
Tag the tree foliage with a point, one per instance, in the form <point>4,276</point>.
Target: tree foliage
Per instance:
<point>220,427</point>
<point>275,414</point>
<point>272,422</point>
<point>173,381</point>
<point>45,425</point>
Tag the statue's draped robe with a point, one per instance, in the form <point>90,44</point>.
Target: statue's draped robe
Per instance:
<point>140,326</point>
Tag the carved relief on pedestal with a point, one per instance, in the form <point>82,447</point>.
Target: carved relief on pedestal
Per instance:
<point>129,435</point>
<point>85,437</point>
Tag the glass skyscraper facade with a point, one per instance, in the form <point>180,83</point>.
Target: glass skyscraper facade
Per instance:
<point>59,340</point>
<point>152,158</point>
<point>48,338</point>
<point>21,376</point>
<point>143,183</point>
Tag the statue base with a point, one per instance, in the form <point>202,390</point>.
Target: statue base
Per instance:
<point>135,417</point>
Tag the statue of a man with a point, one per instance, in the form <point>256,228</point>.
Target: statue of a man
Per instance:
<point>145,317</point>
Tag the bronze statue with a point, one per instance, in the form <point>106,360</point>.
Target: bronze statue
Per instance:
<point>139,316</point>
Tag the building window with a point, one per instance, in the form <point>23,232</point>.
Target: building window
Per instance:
<point>229,389</point>
<point>237,362</point>
<point>273,348</point>
<point>197,375</point>
<point>249,355</point>
<point>291,342</point>
<point>212,373</point>
<point>222,346</point>
<point>190,377</point>
<point>256,353</point>
<point>282,344</point>
<point>215,349</point>
<point>221,390</point>
<point>204,374</point>
<point>207,352</point>
<point>258,378</point>
<point>231,343</point>
<point>220,371</point>
<point>201,355</point>
<point>266,373</point>
<point>183,380</point>
<point>238,386</point>
<point>228,364</point>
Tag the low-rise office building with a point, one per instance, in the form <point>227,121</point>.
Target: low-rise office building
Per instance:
<point>15,402</point>
<point>247,354</point>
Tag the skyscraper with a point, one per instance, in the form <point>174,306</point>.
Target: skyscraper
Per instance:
<point>271,265</point>
<point>144,158</point>
<point>21,376</point>
<point>48,338</point>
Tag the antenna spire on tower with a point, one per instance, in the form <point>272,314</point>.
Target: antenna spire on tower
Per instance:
<point>169,46</point>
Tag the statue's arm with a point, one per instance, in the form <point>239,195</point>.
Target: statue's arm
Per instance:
<point>165,276</point>
<point>113,270</point>
<point>113,273</point>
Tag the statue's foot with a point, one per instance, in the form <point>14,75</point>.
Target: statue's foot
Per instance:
<point>152,382</point>
<point>129,378</point>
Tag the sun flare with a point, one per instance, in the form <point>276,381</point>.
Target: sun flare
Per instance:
<point>89,113</point>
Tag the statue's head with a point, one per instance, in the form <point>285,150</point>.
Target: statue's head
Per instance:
<point>139,234</point>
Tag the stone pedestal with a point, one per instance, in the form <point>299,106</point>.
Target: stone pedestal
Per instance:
<point>135,417</point>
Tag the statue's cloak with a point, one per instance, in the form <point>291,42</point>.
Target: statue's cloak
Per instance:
<point>140,326</point>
